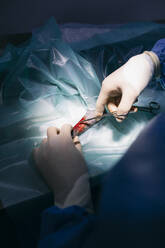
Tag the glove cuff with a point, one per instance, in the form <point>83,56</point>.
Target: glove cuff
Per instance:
<point>155,61</point>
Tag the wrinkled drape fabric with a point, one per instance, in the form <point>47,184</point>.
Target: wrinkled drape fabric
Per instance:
<point>45,83</point>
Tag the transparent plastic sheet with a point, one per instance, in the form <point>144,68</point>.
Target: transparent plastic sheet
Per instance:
<point>47,84</point>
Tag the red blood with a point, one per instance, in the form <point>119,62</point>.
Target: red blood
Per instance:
<point>79,127</point>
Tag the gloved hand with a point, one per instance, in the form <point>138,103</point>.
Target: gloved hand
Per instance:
<point>61,164</point>
<point>122,87</point>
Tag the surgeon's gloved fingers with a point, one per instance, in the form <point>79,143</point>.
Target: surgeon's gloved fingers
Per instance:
<point>52,132</point>
<point>44,141</point>
<point>102,100</point>
<point>38,159</point>
<point>112,107</point>
<point>42,148</point>
<point>77,143</point>
<point>39,152</point>
<point>125,105</point>
<point>113,104</point>
<point>66,131</point>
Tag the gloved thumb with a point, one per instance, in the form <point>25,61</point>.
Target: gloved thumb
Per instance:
<point>127,100</point>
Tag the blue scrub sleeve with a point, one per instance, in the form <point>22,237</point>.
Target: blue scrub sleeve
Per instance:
<point>159,49</point>
<point>66,227</point>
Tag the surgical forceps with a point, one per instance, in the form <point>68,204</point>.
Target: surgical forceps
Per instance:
<point>153,108</point>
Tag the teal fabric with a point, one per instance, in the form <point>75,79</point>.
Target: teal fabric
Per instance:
<point>122,33</point>
<point>44,83</point>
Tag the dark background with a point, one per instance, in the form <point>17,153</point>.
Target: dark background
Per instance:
<point>20,16</point>
<point>17,16</point>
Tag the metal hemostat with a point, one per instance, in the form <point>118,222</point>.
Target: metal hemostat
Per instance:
<point>91,119</point>
<point>86,122</point>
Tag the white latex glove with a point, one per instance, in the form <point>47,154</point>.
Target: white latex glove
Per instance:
<point>61,164</point>
<point>121,88</point>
